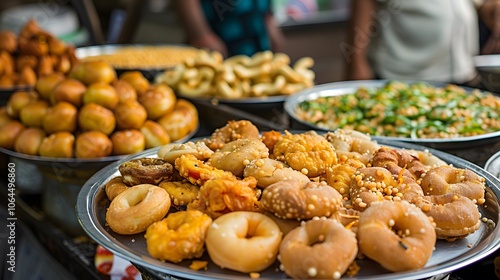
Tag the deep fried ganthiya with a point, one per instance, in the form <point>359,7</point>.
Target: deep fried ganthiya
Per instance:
<point>222,195</point>
<point>308,152</point>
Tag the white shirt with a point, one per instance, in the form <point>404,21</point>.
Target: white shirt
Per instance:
<point>432,40</point>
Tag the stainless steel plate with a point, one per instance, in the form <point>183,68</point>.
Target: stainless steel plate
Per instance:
<point>92,204</point>
<point>476,149</point>
<point>493,164</point>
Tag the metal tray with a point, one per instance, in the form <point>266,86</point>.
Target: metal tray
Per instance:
<point>493,165</point>
<point>476,149</point>
<point>92,204</point>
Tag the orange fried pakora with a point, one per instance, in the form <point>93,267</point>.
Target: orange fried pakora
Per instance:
<point>198,172</point>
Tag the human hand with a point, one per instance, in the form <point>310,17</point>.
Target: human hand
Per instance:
<point>489,13</point>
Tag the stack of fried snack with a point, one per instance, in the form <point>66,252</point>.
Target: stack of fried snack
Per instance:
<point>262,74</point>
<point>32,54</point>
<point>92,112</point>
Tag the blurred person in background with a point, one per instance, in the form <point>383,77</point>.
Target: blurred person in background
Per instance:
<point>230,27</point>
<point>431,40</point>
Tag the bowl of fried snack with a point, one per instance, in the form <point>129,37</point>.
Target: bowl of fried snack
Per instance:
<point>459,120</point>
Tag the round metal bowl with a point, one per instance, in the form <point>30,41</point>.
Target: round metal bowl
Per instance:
<point>92,203</point>
<point>59,180</point>
<point>488,67</point>
<point>476,149</point>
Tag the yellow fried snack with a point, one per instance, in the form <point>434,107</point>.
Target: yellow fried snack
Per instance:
<point>308,152</point>
<point>197,172</point>
<point>220,196</point>
<point>181,193</point>
<point>181,235</point>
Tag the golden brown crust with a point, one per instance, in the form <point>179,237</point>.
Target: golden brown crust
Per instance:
<point>115,187</point>
<point>318,249</point>
<point>233,130</point>
<point>145,171</point>
<point>397,235</point>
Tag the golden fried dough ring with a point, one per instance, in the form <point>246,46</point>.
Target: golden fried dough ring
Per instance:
<point>308,152</point>
<point>115,187</point>
<point>352,144</point>
<point>269,171</point>
<point>375,184</point>
<point>455,216</point>
<point>172,151</point>
<point>448,179</point>
<point>145,171</point>
<point>291,199</point>
<point>181,235</point>
<point>250,233</point>
<point>237,154</point>
<point>136,208</point>
<point>396,160</point>
<point>318,249</point>
<point>397,235</point>
<point>233,130</point>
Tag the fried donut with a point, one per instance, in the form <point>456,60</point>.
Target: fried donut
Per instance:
<point>291,199</point>
<point>318,249</point>
<point>181,235</point>
<point>397,161</point>
<point>352,144</point>
<point>251,233</point>
<point>449,179</point>
<point>455,216</point>
<point>181,193</point>
<point>308,152</point>
<point>136,208</point>
<point>233,130</point>
<point>220,196</point>
<point>397,235</point>
<point>115,187</point>
<point>269,171</point>
<point>235,155</point>
<point>145,171</point>
<point>172,151</point>
<point>348,217</point>
<point>374,184</point>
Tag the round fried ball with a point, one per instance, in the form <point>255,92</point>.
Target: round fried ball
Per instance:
<point>46,84</point>
<point>158,101</point>
<point>181,121</point>
<point>137,80</point>
<point>125,90</point>
<point>129,141</point>
<point>93,71</point>
<point>96,117</point>
<point>130,115</point>
<point>69,90</point>
<point>155,134</point>
<point>60,117</point>
<point>101,93</point>
<point>33,113</point>
<point>29,141</point>
<point>9,133</point>
<point>93,144</point>
<point>18,100</point>
<point>58,145</point>
<point>4,116</point>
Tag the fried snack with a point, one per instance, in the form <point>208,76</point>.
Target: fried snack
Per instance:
<point>396,228</point>
<point>236,155</point>
<point>269,171</point>
<point>397,161</point>
<point>340,175</point>
<point>181,235</point>
<point>291,199</point>
<point>172,151</point>
<point>9,133</point>
<point>145,171</point>
<point>455,216</point>
<point>233,130</point>
<point>222,195</point>
<point>136,208</point>
<point>352,144</point>
<point>114,187</point>
<point>375,184</point>
<point>250,232</point>
<point>181,192</point>
<point>318,249</point>
<point>309,153</point>
<point>449,179</point>
<point>93,144</point>
<point>181,121</point>
<point>270,138</point>
<point>197,172</point>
